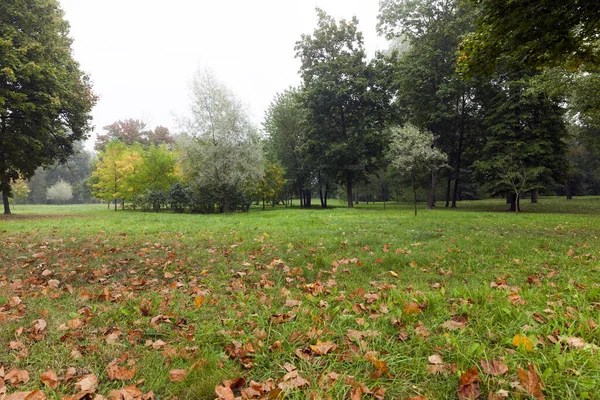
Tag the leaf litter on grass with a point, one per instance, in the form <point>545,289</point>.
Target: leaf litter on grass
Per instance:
<point>347,327</point>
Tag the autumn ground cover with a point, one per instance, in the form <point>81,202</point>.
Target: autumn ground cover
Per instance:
<point>337,303</point>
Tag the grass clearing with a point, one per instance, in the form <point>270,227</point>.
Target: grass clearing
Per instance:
<point>315,303</point>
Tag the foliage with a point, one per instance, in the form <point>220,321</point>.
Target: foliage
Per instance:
<point>179,197</point>
<point>432,95</point>
<point>154,170</point>
<point>20,191</point>
<point>115,172</point>
<point>44,97</point>
<point>271,185</point>
<point>524,127</point>
<point>60,192</point>
<point>346,100</point>
<point>535,34</point>
<point>286,126</point>
<point>221,153</point>
<point>413,153</point>
<point>131,131</point>
<point>76,171</point>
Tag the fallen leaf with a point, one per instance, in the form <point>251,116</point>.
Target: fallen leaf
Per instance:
<point>177,375</point>
<point>50,379</point>
<point>493,367</point>
<point>198,301</point>
<point>16,376</point>
<point>521,340</point>
<point>322,348</point>
<point>116,372</point>
<point>33,395</point>
<point>87,383</point>
<point>531,381</point>
<point>435,359</point>
<point>469,385</point>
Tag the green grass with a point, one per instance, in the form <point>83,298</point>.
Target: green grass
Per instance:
<point>352,270</point>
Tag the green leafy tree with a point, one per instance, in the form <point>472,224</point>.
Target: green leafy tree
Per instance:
<point>346,99</point>
<point>412,153</point>
<point>153,169</point>
<point>45,99</point>
<point>432,95</point>
<point>525,134</point>
<point>271,185</point>
<point>286,125</point>
<point>534,34</point>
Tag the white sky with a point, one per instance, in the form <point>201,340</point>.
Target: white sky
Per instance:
<point>142,54</point>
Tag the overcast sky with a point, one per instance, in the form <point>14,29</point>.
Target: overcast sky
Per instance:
<point>142,54</point>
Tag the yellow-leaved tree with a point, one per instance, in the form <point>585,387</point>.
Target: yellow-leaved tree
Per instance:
<point>112,169</point>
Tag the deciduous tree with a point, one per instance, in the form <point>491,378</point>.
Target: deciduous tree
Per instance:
<point>346,99</point>
<point>222,151</point>
<point>45,99</point>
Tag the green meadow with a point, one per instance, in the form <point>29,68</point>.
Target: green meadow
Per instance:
<point>369,302</point>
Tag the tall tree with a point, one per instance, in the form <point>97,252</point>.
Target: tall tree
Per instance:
<point>222,151</point>
<point>286,124</point>
<point>431,94</point>
<point>524,147</point>
<point>346,101</point>
<point>45,99</point>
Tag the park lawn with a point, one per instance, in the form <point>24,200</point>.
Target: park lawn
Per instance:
<point>333,303</point>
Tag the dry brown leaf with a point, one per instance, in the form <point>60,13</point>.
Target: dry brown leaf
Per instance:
<point>322,348</point>
<point>435,359</point>
<point>469,385</point>
<point>16,376</point>
<point>531,381</point>
<point>116,372</point>
<point>493,367</point>
<point>39,325</point>
<point>33,395</point>
<point>177,375</point>
<point>575,342</point>
<point>441,369</point>
<point>127,393</point>
<point>224,393</point>
<point>87,383</point>
<point>453,325</point>
<point>411,308</point>
<point>50,379</point>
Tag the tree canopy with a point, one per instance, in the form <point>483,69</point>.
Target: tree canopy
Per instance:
<point>533,33</point>
<point>45,98</point>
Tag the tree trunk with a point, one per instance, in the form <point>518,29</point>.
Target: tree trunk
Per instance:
<point>115,204</point>
<point>5,202</point>
<point>414,185</point>
<point>515,202</point>
<point>449,185</point>
<point>534,196</point>
<point>461,138</point>
<point>349,189</point>
<point>568,190</point>
<point>432,187</point>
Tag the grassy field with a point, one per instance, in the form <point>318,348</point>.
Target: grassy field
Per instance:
<point>473,302</point>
